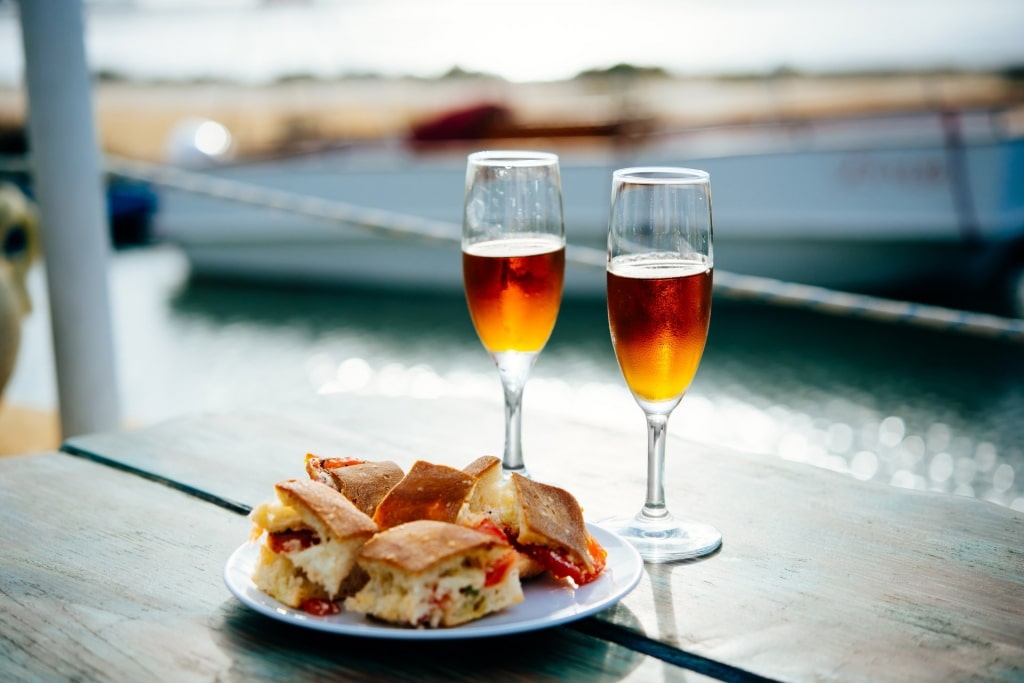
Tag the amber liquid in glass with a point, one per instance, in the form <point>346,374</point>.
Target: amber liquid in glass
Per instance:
<point>514,290</point>
<point>658,312</point>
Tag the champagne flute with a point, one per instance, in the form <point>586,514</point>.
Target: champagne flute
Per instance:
<point>513,266</point>
<point>660,264</point>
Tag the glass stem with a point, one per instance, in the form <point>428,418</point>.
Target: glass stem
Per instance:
<point>654,507</point>
<point>513,460</point>
<point>514,367</point>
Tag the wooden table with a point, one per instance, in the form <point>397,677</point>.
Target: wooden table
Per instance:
<point>115,547</point>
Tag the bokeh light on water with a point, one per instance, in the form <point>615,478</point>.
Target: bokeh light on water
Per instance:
<point>872,449</point>
<point>908,408</point>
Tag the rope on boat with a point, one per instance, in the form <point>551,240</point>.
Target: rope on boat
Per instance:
<point>376,221</point>
<point>729,285</point>
<point>823,300</point>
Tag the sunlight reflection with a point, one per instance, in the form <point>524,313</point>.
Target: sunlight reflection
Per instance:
<point>353,374</point>
<point>320,369</point>
<point>985,456</point>
<point>908,480</point>
<point>964,490</point>
<point>392,380</point>
<point>1002,478</point>
<point>965,470</point>
<point>941,467</point>
<point>891,431</point>
<point>938,437</point>
<point>883,449</point>
<point>423,382</point>
<point>864,465</point>
<point>839,437</point>
<point>212,138</point>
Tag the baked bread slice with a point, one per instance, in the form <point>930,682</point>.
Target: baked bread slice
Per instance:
<point>483,508</point>
<point>310,536</point>
<point>428,574</point>
<point>486,495</point>
<point>427,491</point>
<point>363,482</point>
<point>546,523</point>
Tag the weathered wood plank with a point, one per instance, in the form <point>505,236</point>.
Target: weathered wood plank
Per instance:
<point>109,577</point>
<point>820,576</point>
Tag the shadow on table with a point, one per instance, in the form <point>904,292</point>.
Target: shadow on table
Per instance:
<point>261,648</point>
<point>667,628</point>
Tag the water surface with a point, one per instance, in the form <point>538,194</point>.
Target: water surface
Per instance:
<point>903,406</point>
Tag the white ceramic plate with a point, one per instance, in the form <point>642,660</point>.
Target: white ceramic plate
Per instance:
<point>547,602</point>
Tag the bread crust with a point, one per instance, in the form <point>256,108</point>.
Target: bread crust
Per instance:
<point>427,491</point>
<point>416,547</point>
<point>551,517</point>
<point>483,466</point>
<point>311,536</point>
<point>340,517</point>
<point>363,483</point>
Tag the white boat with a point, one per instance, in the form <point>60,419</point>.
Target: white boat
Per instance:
<point>862,204</point>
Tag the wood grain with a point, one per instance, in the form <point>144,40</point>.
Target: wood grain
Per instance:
<point>106,576</point>
<point>821,577</point>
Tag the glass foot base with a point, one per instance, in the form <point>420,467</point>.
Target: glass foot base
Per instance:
<point>665,540</point>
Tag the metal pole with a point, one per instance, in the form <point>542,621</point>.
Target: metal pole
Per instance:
<point>68,185</point>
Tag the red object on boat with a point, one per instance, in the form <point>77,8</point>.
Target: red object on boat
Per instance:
<point>475,122</point>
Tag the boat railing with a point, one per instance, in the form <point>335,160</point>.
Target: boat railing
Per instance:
<point>951,128</point>
<point>728,285</point>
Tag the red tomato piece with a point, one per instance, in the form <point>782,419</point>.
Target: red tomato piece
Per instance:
<point>562,567</point>
<point>335,463</point>
<point>320,607</point>
<point>292,541</point>
<point>496,572</point>
<point>488,527</point>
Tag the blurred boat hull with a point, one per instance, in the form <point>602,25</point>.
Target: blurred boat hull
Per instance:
<point>867,204</point>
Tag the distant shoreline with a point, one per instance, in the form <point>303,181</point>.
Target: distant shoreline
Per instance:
<point>136,118</point>
<point>1008,72</point>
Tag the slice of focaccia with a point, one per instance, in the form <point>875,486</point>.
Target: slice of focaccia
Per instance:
<point>483,510</point>
<point>428,574</point>
<point>546,523</point>
<point>310,536</point>
<point>486,495</point>
<point>363,482</point>
<point>427,491</point>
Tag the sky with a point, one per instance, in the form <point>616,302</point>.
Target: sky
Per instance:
<point>532,40</point>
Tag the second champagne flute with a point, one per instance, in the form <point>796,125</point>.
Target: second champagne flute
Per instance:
<point>660,266</point>
<point>513,266</point>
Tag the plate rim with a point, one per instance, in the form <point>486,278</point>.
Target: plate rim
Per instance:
<point>620,552</point>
